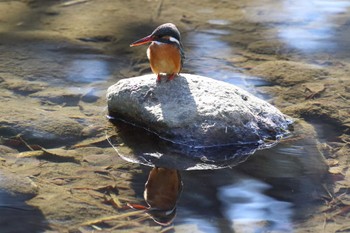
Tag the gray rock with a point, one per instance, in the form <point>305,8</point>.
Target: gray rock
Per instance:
<point>37,125</point>
<point>17,184</point>
<point>196,111</point>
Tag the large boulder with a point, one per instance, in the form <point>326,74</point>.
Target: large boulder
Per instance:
<point>196,111</point>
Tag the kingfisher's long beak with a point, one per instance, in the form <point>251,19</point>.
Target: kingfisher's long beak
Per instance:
<point>142,41</point>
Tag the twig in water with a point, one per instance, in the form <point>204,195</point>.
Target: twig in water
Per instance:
<point>113,217</point>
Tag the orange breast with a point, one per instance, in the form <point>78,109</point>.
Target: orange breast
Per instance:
<point>164,58</point>
<point>163,188</point>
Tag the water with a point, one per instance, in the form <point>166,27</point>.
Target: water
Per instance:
<point>217,53</point>
<point>16,216</point>
<point>267,192</point>
<point>53,86</point>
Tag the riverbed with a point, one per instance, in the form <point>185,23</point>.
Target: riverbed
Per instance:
<point>59,171</point>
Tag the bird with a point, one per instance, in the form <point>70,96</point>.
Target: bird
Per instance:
<point>163,188</point>
<point>165,52</point>
<point>162,191</point>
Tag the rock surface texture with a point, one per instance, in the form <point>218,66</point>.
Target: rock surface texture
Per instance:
<point>196,111</point>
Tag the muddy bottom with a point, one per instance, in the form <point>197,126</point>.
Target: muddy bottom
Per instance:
<point>59,173</point>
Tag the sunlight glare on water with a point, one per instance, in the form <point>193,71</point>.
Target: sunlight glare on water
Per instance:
<point>315,17</point>
<point>211,58</point>
<point>88,70</point>
<point>203,224</point>
<point>309,26</point>
<point>246,205</point>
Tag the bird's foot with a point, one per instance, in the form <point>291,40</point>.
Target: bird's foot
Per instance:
<point>171,77</point>
<point>159,78</point>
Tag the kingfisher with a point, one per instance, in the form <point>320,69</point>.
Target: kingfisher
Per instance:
<point>162,191</point>
<point>165,52</point>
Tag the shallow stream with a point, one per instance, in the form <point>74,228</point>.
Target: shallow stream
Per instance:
<point>57,59</point>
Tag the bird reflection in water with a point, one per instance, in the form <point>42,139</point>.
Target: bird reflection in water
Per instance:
<point>162,190</point>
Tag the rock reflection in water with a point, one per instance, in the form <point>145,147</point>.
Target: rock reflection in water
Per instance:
<point>138,145</point>
<point>268,192</point>
<point>162,190</point>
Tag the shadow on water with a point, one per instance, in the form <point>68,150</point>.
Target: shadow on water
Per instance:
<point>17,216</point>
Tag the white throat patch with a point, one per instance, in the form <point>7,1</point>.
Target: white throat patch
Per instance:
<point>157,42</point>
<point>172,39</point>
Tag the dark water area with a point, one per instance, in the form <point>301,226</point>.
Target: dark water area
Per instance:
<point>268,191</point>
<point>17,216</point>
<point>53,81</point>
<point>138,145</point>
